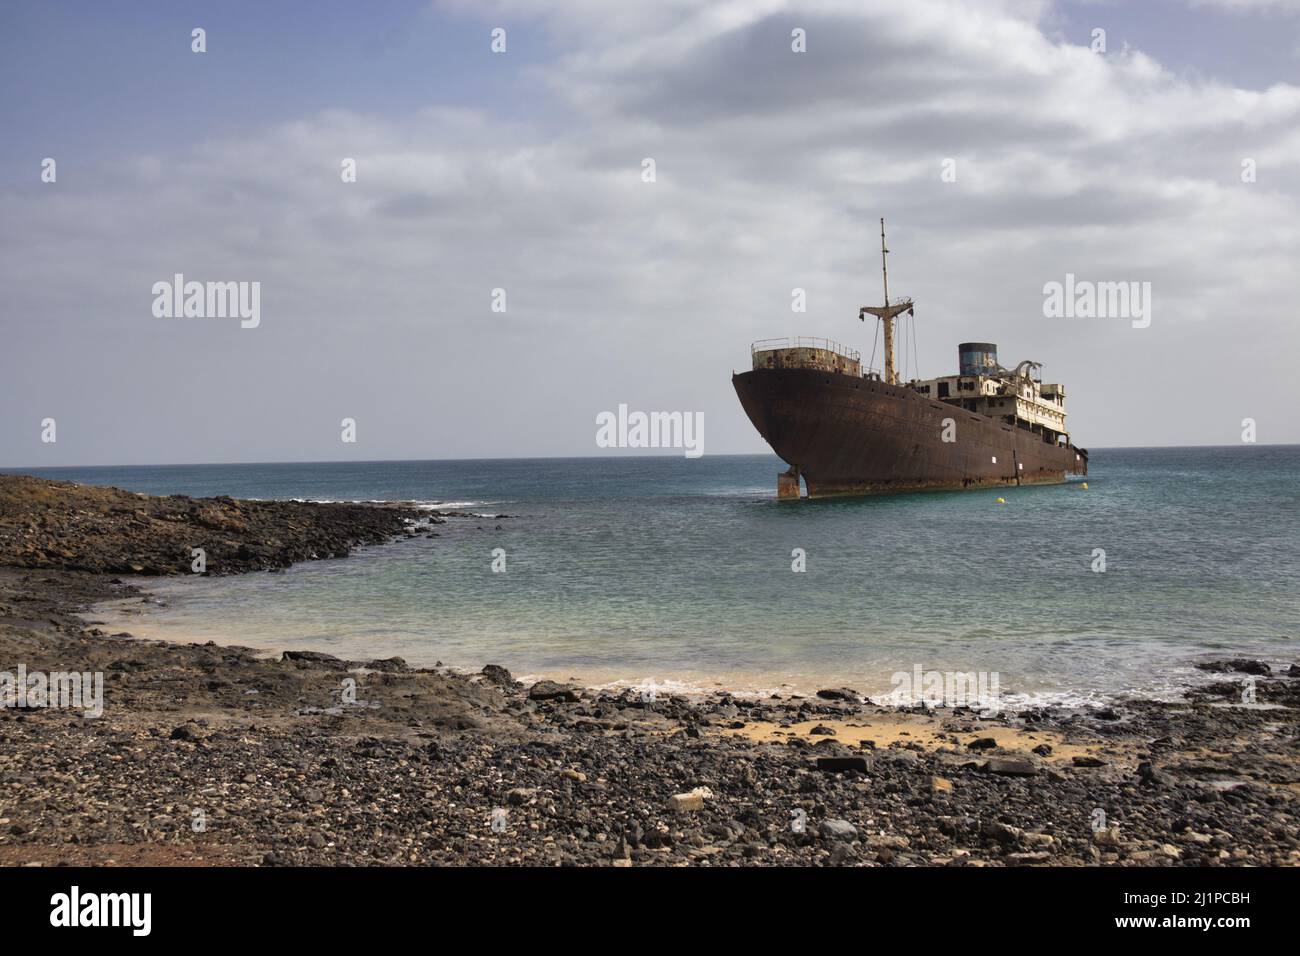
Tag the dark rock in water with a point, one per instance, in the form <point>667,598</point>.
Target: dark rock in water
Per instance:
<point>839,693</point>
<point>1240,665</point>
<point>496,674</point>
<point>843,764</point>
<point>982,743</point>
<point>390,665</point>
<point>1011,766</point>
<point>550,690</point>
<point>1084,760</point>
<point>838,830</point>
<point>1105,714</point>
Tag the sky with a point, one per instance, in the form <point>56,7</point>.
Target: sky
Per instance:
<point>1004,146</point>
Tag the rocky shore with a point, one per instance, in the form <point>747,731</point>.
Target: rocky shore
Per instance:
<point>217,755</point>
<point>59,524</point>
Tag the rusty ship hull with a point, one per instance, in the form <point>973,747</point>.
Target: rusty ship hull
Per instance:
<point>849,435</point>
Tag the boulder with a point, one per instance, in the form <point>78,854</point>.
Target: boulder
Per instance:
<point>496,674</point>
<point>1011,766</point>
<point>839,693</point>
<point>187,731</point>
<point>550,690</point>
<point>1087,760</point>
<point>858,762</point>
<point>838,830</point>
<point>687,802</point>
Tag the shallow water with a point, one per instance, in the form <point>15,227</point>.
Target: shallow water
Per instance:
<point>678,572</point>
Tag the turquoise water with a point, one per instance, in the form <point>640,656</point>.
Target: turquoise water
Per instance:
<point>678,572</point>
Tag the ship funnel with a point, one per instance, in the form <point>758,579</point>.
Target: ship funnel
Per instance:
<point>977,358</point>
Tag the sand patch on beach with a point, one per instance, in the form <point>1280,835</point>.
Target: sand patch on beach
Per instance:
<point>934,734</point>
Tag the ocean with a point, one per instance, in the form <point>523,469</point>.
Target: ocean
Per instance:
<point>678,573</point>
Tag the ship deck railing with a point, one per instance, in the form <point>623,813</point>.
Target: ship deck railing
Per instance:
<point>805,342</point>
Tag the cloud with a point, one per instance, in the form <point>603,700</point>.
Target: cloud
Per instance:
<point>773,169</point>
<point>1251,6</point>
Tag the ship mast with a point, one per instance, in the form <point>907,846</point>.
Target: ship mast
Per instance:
<point>890,375</point>
<point>887,313</point>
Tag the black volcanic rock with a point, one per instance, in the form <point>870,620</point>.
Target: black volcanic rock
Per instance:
<point>550,690</point>
<point>496,674</point>
<point>1241,665</point>
<point>59,524</point>
<point>839,693</point>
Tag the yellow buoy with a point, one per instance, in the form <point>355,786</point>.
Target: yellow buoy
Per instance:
<point>1085,486</point>
<point>1002,501</point>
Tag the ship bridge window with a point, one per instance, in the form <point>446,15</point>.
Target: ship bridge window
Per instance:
<point>943,389</point>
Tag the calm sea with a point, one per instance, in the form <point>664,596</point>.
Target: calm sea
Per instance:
<point>678,572</point>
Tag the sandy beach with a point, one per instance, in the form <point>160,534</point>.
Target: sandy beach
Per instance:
<point>219,755</point>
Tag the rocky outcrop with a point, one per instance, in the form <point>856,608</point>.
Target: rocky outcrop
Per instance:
<point>59,524</point>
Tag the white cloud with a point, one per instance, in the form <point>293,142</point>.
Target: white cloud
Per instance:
<point>773,168</point>
<point>1269,6</point>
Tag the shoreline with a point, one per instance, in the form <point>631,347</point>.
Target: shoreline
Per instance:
<point>312,760</point>
<point>119,615</point>
<point>287,774</point>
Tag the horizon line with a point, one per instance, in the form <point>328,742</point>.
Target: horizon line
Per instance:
<point>15,469</point>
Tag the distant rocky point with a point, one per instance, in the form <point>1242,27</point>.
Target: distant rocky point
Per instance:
<point>63,525</point>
